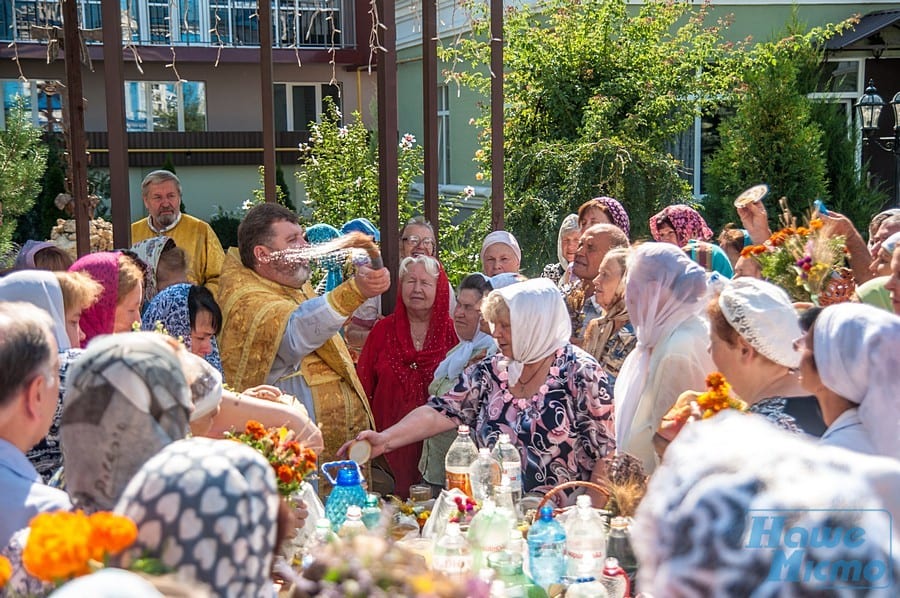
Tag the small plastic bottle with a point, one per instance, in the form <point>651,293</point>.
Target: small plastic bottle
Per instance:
<point>353,525</point>
<point>452,555</point>
<point>484,475</point>
<point>459,460</point>
<point>371,514</point>
<point>547,549</point>
<point>585,540</point>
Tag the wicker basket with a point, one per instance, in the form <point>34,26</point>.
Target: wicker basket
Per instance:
<point>840,288</point>
<point>575,484</point>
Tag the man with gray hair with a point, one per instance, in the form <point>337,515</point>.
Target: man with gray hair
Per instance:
<point>161,192</point>
<point>29,393</point>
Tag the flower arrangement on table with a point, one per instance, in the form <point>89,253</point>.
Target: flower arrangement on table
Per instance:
<point>63,545</point>
<point>803,260</point>
<point>293,463</point>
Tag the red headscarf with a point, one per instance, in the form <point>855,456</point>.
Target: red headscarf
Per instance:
<point>100,318</point>
<point>687,222</point>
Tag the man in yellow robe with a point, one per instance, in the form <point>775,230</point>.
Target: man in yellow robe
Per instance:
<point>161,192</point>
<point>276,330</point>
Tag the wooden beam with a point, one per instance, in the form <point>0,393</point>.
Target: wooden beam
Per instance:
<point>113,73</point>
<point>77,148</point>
<point>429,109</point>
<point>388,133</point>
<point>496,114</point>
<point>267,97</point>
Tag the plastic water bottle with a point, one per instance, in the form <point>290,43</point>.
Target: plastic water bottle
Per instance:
<point>484,475</point>
<point>585,540</point>
<point>347,491</point>
<point>547,549</point>
<point>459,460</point>
<point>506,453</point>
<point>504,498</point>
<point>516,584</point>
<point>488,533</point>
<point>452,555</point>
<point>353,524</point>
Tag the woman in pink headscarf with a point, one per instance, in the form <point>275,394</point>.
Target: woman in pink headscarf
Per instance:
<point>119,305</point>
<point>679,224</point>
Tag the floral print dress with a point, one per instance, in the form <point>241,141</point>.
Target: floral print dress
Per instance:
<point>560,432</point>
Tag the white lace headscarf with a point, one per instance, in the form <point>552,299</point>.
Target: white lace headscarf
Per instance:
<point>693,531</point>
<point>539,322</point>
<point>663,288</point>
<point>857,353</point>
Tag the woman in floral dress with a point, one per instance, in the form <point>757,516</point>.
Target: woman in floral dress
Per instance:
<point>552,398</point>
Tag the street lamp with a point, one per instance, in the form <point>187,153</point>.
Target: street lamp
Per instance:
<point>869,109</point>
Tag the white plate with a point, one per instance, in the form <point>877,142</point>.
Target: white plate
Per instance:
<point>751,195</point>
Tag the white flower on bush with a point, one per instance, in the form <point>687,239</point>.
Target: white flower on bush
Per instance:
<point>343,132</point>
<point>248,204</point>
<point>304,147</point>
<point>469,191</point>
<point>407,141</point>
<point>358,182</point>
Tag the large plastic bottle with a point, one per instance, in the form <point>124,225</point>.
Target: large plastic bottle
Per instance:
<point>347,491</point>
<point>452,555</point>
<point>484,474</point>
<point>488,533</point>
<point>459,460</point>
<point>585,540</point>
<point>504,498</point>
<point>546,549</point>
<point>506,453</point>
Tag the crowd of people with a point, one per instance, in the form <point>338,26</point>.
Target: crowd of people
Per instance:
<point>122,371</point>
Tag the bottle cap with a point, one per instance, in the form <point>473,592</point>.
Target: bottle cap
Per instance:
<point>463,429</point>
<point>546,512</point>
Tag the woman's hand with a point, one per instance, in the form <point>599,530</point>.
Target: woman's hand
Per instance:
<point>377,440</point>
<point>755,219</point>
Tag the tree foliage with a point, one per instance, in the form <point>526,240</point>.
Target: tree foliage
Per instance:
<point>23,159</point>
<point>593,94</point>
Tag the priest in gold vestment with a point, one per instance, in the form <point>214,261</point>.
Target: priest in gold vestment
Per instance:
<point>277,331</point>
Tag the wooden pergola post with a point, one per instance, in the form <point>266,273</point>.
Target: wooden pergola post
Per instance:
<point>113,73</point>
<point>429,110</point>
<point>388,132</point>
<point>497,114</point>
<point>75,122</point>
<point>264,10</point>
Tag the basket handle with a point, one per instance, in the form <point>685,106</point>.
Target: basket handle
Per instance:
<point>575,484</point>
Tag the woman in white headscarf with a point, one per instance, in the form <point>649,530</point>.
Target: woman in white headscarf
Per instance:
<point>566,246</point>
<point>741,508</point>
<point>849,359</point>
<point>549,396</point>
<point>665,293</point>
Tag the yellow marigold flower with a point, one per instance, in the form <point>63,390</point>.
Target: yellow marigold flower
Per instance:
<point>816,223</point>
<point>5,571</point>
<point>58,546</point>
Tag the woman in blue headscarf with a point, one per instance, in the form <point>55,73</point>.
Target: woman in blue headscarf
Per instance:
<point>191,313</point>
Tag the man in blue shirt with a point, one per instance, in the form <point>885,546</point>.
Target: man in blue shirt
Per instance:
<point>29,392</point>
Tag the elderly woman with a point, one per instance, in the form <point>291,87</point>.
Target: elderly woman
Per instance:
<point>209,511</point>
<point>610,338</point>
<point>189,312</point>
<point>665,293</point>
<point>500,253</point>
<point>42,255</point>
<point>475,343</point>
<point>552,398</point>
<point>753,327</point>
<point>881,262</point>
<point>740,508</point>
<point>119,306</point>
<point>850,359</point>
<point>603,210</point>
<point>566,246</point>
<point>403,350</point>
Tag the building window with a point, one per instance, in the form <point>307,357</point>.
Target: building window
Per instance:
<point>298,104</point>
<point>443,118</point>
<point>165,106</point>
<point>42,99</point>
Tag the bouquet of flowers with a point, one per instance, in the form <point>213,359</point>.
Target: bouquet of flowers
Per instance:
<point>293,463</point>
<point>803,260</point>
<point>699,405</point>
<point>63,545</point>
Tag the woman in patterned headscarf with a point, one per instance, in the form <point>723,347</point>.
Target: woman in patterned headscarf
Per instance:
<point>679,224</point>
<point>603,210</point>
<point>208,510</point>
<point>128,398</point>
<point>189,312</point>
<point>166,261</point>
<point>119,306</point>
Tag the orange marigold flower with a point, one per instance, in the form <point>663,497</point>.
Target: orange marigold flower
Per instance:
<point>285,474</point>
<point>758,249</point>
<point>715,380</point>
<point>255,429</point>
<point>803,231</point>
<point>111,533</point>
<point>816,223</point>
<point>58,546</point>
<point>5,571</point>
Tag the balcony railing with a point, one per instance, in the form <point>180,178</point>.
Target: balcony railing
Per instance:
<point>232,23</point>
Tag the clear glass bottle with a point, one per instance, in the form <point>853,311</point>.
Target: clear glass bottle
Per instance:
<point>506,453</point>
<point>484,474</point>
<point>459,459</point>
<point>585,540</point>
<point>618,545</point>
<point>547,549</point>
<point>452,555</point>
<point>371,513</point>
